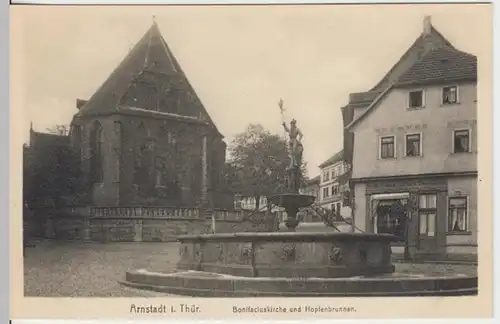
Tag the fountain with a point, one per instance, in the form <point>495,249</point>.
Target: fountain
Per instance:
<point>289,263</point>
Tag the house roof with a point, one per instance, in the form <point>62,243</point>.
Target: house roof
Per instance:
<point>425,41</point>
<point>437,60</point>
<point>337,157</point>
<point>442,64</point>
<point>313,180</point>
<point>149,77</point>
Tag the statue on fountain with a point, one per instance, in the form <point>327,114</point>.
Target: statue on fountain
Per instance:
<point>295,150</point>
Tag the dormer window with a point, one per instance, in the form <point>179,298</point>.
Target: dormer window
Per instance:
<point>450,95</point>
<point>416,99</point>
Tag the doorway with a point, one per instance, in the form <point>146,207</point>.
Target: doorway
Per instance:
<point>427,211</point>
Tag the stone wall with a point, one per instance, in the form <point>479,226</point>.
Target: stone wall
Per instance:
<point>142,224</point>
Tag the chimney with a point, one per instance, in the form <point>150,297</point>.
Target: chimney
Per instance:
<point>427,26</point>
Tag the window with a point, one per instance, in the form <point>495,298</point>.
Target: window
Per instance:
<point>326,176</point>
<point>338,208</point>
<point>335,189</point>
<point>325,192</point>
<point>387,147</point>
<point>391,217</point>
<point>461,141</point>
<point>416,99</point>
<point>413,145</point>
<point>97,153</point>
<point>427,208</point>
<point>457,214</point>
<point>450,95</point>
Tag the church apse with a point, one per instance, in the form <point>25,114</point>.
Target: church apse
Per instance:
<point>142,135</point>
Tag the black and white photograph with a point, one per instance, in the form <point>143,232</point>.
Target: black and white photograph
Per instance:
<point>252,151</point>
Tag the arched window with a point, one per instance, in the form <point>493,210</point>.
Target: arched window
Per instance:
<point>141,162</point>
<point>97,153</point>
<point>76,135</point>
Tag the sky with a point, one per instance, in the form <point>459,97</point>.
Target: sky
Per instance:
<point>240,59</point>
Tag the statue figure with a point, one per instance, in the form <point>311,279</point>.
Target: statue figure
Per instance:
<point>294,144</point>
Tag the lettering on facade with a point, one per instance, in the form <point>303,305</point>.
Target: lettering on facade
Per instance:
<point>406,185</point>
<point>401,128</point>
<point>459,123</point>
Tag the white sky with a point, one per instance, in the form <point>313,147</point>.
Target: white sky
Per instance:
<point>239,59</point>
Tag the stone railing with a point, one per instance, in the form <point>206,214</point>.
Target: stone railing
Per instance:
<point>125,212</point>
<point>133,223</point>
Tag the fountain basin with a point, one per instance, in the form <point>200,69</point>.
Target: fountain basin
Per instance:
<point>288,254</point>
<point>204,284</point>
<point>292,200</point>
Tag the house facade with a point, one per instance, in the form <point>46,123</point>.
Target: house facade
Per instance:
<point>414,157</point>
<point>332,188</point>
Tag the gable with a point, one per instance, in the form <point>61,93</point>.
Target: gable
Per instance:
<point>424,43</point>
<point>149,78</point>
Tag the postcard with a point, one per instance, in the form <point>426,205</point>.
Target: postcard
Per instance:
<point>264,161</point>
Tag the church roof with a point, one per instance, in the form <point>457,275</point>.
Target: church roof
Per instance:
<point>150,78</point>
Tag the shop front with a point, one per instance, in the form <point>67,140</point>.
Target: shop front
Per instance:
<point>412,210</point>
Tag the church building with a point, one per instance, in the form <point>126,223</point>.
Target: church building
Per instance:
<point>144,137</point>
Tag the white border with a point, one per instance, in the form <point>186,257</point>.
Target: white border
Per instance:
<point>4,68</point>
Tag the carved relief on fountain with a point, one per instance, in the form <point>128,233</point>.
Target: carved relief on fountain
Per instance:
<point>246,252</point>
<point>288,252</point>
<point>336,254</point>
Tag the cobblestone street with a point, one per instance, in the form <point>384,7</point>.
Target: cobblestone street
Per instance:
<point>71,269</point>
<point>57,268</point>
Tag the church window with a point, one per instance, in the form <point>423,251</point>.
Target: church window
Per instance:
<point>97,153</point>
<point>141,156</point>
<point>77,140</point>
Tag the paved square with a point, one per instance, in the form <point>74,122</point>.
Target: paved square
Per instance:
<point>71,269</point>
<point>76,269</point>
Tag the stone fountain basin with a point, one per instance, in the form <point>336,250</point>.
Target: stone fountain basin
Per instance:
<point>205,284</point>
<point>292,200</point>
<point>288,254</point>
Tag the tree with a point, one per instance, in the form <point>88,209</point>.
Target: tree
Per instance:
<point>59,130</point>
<point>257,164</point>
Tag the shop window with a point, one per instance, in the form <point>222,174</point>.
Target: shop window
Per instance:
<point>391,217</point>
